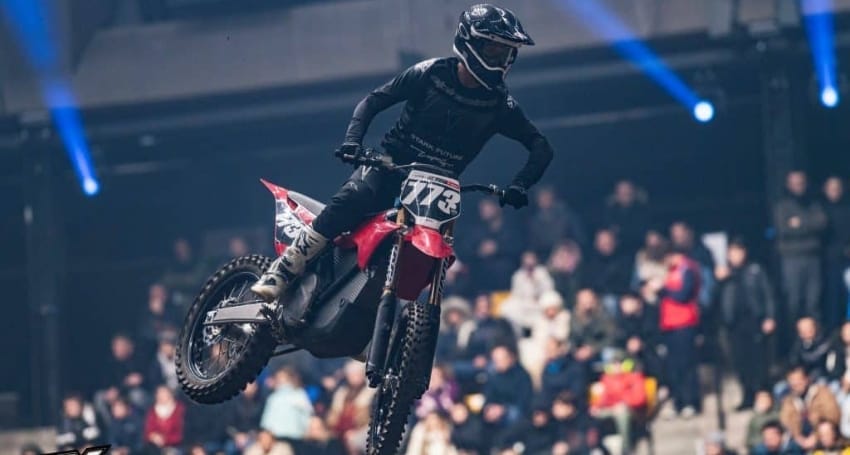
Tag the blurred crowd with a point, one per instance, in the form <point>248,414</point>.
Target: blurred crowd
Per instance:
<point>556,338</point>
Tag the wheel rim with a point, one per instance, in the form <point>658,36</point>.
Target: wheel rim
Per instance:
<point>213,350</point>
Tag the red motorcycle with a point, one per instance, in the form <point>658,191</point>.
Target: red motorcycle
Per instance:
<point>360,298</point>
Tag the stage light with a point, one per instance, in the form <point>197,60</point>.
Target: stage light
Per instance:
<point>606,24</point>
<point>829,97</point>
<point>704,111</point>
<point>818,18</point>
<point>29,19</point>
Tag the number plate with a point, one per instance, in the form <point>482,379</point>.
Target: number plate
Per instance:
<point>432,199</point>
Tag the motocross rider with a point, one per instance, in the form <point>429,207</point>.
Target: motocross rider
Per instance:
<point>453,107</point>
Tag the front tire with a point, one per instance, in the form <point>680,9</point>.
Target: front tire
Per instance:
<point>407,377</point>
<point>248,346</point>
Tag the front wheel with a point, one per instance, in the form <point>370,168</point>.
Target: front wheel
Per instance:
<point>406,379</point>
<point>215,362</point>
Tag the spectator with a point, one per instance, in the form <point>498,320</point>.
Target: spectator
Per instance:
<point>562,372</point>
<point>206,426</point>
<point>237,247</point>
<point>842,397</point>
<point>158,318</point>
<point>815,353</point>
<point>829,442</point>
<point>774,441</point>
<point>164,421</point>
<point>649,260</point>
<point>125,429</point>
<point>527,285</point>
<point>552,222</point>
<point>565,269</point>
<point>533,436</point>
<point>267,445</point>
<point>764,411</point>
<point>348,416</point>
<point>122,375</point>
<point>458,280</point>
<point>467,431</point>
<point>508,391</point>
<point>627,214</point>
<point>455,329</point>
<point>495,248</point>
<point>837,207</point>
<point>288,409</point>
<point>319,440</point>
<point>679,317</point>
<point>608,271</point>
<point>591,330</point>
<point>800,221</point>
<point>163,369</point>
<point>244,417</point>
<point>749,316</point>
<point>431,436</point>
<point>78,426</point>
<point>575,430</point>
<point>805,406</point>
<point>490,331</point>
<point>684,240</point>
<point>619,395</point>
<point>715,444</point>
<point>442,393</point>
<point>184,275</point>
<point>554,322</point>
<point>637,333</point>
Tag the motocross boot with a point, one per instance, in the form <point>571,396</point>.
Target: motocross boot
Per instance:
<point>290,265</point>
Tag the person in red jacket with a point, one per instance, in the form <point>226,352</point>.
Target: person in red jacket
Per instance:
<point>164,421</point>
<point>679,318</point>
<point>619,394</point>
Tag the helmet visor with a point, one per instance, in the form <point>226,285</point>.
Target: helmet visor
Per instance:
<point>496,54</point>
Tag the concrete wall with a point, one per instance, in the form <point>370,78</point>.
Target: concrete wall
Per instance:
<point>148,62</point>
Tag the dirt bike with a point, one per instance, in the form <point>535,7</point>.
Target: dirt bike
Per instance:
<point>359,298</point>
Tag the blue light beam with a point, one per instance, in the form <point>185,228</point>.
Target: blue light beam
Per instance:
<point>818,19</point>
<point>29,20</point>
<point>606,24</point>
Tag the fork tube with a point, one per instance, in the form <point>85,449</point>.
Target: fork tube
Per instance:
<point>385,317</point>
<point>436,295</point>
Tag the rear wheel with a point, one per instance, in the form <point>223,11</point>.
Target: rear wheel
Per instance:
<point>215,362</point>
<point>406,379</point>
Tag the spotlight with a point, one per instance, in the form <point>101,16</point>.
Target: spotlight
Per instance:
<point>704,111</point>
<point>90,187</point>
<point>829,97</point>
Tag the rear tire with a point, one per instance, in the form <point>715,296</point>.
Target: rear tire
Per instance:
<point>256,349</point>
<point>407,377</point>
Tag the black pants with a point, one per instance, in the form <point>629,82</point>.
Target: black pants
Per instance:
<point>681,367</point>
<point>749,356</point>
<point>835,296</point>
<point>802,278</point>
<point>367,191</point>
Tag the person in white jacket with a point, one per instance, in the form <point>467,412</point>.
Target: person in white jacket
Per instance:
<point>527,285</point>
<point>553,321</point>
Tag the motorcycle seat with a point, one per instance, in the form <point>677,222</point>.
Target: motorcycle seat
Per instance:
<point>313,206</point>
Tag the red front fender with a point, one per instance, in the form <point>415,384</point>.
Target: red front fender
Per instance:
<point>430,242</point>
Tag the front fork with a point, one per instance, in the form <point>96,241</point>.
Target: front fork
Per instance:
<point>385,319</point>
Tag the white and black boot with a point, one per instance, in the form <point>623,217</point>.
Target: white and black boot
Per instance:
<point>290,265</point>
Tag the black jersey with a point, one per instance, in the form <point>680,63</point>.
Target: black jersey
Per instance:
<point>445,123</point>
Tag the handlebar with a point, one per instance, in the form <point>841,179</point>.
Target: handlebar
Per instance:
<point>373,158</point>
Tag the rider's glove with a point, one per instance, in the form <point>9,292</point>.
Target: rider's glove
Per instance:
<point>349,151</point>
<point>515,196</point>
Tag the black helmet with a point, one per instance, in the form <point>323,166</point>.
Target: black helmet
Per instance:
<point>487,40</point>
